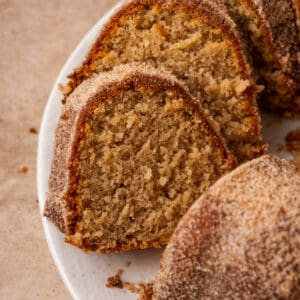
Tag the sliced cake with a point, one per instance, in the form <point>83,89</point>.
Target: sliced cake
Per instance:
<point>199,44</point>
<point>240,240</point>
<point>133,151</point>
<point>273,39</point>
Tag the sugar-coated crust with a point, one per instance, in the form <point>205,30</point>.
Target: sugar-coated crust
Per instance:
<point>56,208</point>
<point>240,239</point>
<point>211,13</point>
<point>62,205</point>
<point>141,245</point>
<point>278,20</point>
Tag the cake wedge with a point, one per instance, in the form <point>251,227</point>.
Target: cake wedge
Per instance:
<point>133,151</point>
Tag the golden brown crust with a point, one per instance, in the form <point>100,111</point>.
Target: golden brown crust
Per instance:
<point>297,9</point>
<point>297,6</point>
<point>62,205</point>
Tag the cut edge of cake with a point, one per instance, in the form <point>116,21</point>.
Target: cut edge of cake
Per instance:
<point>60,208</point>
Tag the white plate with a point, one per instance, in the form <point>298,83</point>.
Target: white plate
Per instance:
<point>85,275</point>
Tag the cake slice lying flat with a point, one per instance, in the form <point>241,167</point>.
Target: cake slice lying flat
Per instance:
<point>133,151</point>
<point>272,33</point>
<point>199,44</point>
<point>240,240</point>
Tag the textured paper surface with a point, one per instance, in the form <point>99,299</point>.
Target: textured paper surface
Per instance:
<point>36,39</point>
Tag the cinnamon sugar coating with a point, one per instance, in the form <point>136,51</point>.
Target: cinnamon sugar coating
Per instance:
<point>240,240</point>
<point>198,43</point>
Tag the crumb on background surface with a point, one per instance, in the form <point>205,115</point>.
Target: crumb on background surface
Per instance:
<point>280,147</point>
<point>33,130</point>
<point>143,290</point>
<point>23,170</point>
<point>127,263</point>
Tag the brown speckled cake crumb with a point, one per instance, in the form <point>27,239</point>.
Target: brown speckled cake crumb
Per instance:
<point>115,281</point>
<point>23,170</point>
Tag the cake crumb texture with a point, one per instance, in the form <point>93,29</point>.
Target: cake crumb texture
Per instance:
<point>139,150</point>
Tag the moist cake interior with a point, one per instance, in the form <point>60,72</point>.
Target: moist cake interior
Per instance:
<point>280,89</point>
<point>200,55</point>
<point>144,159</point>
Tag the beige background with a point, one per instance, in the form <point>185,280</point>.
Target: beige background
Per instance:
<point>36,38</point>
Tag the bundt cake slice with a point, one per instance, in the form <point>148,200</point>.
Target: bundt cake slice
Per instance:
<point>133,152</point>
<point>270,26</point>
<point>240,240</point>
<point>199,44</point>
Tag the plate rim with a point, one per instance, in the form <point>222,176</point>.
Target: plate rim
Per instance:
<point>41,192</point>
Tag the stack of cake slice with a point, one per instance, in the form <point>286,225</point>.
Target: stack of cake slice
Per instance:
<point>164,104</point>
